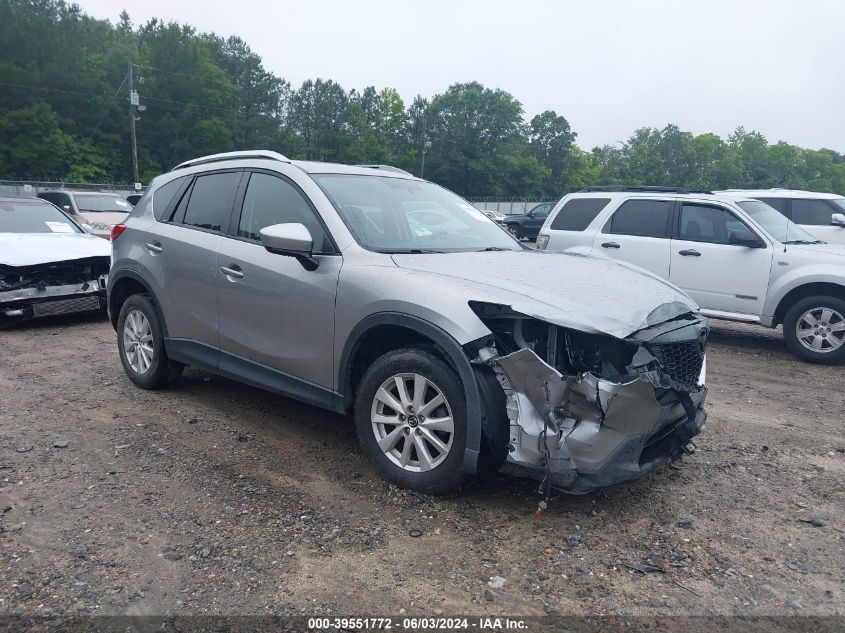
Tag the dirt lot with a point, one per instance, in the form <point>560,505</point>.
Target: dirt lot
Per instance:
<point>216,498</point>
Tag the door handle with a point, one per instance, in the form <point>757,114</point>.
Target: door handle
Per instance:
<point>611,245</point>
<point>690,253</point>
<point>233,272</point>
<point>154,247</point>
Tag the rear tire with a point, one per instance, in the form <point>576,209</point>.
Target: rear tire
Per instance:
<point>140,342</point>
<point>418,442</point>
<point>814,329</point>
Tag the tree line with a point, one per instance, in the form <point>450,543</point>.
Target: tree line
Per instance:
<point>64,115</point>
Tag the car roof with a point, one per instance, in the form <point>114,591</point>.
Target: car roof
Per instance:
<point>82,191</point>
<point>711,197</point>
<point>775,192</point>
<point>314,167</point>
<point>23,199</point>
<point>261,158</point>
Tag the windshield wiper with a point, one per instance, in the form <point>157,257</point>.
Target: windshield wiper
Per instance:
<point>492,248</point>
<point>804,242</point>
<point>409,251</point>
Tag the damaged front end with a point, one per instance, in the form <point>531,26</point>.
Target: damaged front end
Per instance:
<point>591,410</point>
<point>53,288</point>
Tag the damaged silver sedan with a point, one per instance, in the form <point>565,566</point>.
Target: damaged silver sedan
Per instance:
<point>48,264</point>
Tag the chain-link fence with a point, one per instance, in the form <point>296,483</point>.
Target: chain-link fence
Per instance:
<point>29,188</point>
<point>509,206</point>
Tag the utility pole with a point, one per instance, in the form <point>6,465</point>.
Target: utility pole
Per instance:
<point>133,105</point>
<point>426,145</point>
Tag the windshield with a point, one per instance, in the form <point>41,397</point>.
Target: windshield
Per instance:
<point>839,203</point>
<point>95,202</point>
<point>395,215</point>
<point>775,224</point>
<point>33,217</point>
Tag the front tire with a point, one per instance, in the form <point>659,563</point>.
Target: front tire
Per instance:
<point>515,230</point>
<point>814,329</point>
<point>410,415</point>
<point>140,341</point>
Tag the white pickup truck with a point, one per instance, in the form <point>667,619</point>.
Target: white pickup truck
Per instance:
<point>737,257</point>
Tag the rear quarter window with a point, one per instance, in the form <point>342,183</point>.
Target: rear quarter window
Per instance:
<point>163,196</point>
<point>578,213</point>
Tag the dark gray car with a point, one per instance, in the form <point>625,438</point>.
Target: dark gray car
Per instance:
<point>374,293</point>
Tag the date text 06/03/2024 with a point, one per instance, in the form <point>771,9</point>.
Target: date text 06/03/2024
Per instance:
<point>418,623</point>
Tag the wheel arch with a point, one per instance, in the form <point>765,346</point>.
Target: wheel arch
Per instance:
<point>382,332</point>
<point>122,286</point>
<point>803,291</point>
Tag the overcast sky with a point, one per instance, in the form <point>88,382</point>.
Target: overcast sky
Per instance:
<point>609,67</point>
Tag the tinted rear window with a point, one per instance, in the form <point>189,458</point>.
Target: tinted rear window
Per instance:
<point>211,201</point>
<point>577,214</point>
<point>814,212</point>
<point>777,203</point>
<point>646,218</point>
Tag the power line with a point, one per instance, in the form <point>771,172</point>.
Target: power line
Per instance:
<point>162,70</point>
<point>187,103</point>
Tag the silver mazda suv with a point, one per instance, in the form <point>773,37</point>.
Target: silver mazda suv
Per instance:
<point>367,291</point>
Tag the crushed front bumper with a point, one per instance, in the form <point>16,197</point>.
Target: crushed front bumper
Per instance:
<point>585,432</point>
<point>34,302</point>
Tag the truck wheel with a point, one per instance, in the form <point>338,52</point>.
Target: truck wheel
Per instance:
<point>515,230</point>
<point>814,329</point>
<point>140,341</point>
<point>410,416</point>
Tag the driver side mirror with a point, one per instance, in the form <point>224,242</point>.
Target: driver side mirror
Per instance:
<point>292,240</point>
<point>837,219</point>
<point>66,208</point>
<point>746,238</point>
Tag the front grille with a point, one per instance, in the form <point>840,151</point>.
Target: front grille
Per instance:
<point>680,361</point>
<point>66,306</point>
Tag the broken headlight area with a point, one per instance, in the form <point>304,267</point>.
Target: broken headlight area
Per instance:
<point>591,410</point>
<point>54,288</point>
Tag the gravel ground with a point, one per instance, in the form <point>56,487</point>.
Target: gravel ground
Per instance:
<point>216,498</point>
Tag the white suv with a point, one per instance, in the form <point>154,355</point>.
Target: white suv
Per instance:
<point>821,214</point>
<point>737,257</point>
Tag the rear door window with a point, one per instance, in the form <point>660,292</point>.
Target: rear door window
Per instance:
<point>210,204</point>
<point>778,203</point>
<point>646,218</point>
<point>578,213</point>
<point>814,212</point>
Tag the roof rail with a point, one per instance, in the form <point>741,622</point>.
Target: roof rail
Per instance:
<point>215,158</point>
<point>634,188</point>
<point>387,168</point>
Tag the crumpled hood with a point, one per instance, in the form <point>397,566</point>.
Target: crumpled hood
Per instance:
<point>596,295</point>
<point>29,249</point>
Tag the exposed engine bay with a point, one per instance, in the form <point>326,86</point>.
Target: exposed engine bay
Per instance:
<point>47,289</point>
<point>589,410</point>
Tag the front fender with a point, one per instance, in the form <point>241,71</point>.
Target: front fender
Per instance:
<point>783,285</point>
<point>444,341</point>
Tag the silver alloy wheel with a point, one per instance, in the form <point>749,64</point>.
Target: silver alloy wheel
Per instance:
<point>821,330</point>
<point>138,342</point>
<point>412,422</point>
<point>513,230</point>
